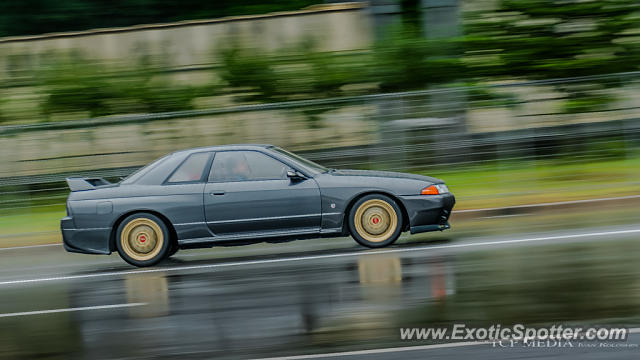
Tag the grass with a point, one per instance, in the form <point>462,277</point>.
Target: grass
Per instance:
<point>509,184</point>
<point>489,185</point>
<point>40,219</point>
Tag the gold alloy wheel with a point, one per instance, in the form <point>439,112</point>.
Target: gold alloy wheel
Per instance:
<point>376,220</point>
<point>142,239</point>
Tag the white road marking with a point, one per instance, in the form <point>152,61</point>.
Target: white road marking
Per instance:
<point>86,308</point>
<point>376,351</point>
<point>502,216</point>
<point>315,257</point>
<point>548,204</point>
<point>28,247</point>
<point>394,349</point>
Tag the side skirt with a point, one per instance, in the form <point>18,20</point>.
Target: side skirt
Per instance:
<point>251,238</point>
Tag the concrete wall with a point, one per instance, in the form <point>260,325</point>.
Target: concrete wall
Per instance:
<point>114,145</point>
<point>188,44</point>
<point>334,27</point>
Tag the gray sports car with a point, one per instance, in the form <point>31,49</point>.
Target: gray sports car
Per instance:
<point>240,194</point>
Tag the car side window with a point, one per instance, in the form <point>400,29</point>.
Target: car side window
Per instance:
<point>246,166</point>
<point>191,169</point>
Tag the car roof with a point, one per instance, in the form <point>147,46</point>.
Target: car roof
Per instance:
<point>225,147</point>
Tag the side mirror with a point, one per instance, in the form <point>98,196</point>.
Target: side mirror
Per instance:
<point>295,176</point>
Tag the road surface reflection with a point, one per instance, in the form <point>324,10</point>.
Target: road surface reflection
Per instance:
<point>321,305</point>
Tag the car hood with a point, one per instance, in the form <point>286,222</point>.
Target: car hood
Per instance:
<point>385,174</point>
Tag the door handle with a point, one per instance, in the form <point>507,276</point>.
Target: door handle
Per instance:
<point>216,192</point>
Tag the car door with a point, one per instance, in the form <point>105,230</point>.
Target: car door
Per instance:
<point>249,194</point>
<point>180,196</point>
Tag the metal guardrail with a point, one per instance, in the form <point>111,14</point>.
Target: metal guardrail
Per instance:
<point>60,177</point>
<point>141,118</point>
<point>469,149</point>
<point>418,140</point>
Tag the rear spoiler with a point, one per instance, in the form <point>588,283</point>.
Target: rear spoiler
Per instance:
<point>83,183</point>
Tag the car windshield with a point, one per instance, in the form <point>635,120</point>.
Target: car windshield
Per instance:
<point>313,167</point>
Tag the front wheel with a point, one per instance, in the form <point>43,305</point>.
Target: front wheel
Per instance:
<point>375,221</point>
<point>143,239</point>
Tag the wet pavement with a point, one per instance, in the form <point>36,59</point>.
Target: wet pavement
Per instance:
<point>322,297</point>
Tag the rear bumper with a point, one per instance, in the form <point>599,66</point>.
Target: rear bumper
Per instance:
<point>85,241</point>
<point>428,212</point>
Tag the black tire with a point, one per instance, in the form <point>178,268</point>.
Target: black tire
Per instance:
<point>140,228</point>
<point>371,210</point>
<point>173,250</point>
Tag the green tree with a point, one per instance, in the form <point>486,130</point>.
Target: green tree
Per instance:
<point>72,84</point>
<point>544,39</point>
<point>300,72</point>
<point>250,69</point>
<point>406,60</point>
<point>548,39</point>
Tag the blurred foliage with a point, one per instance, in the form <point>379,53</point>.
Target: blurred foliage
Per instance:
<point>483,96</point>
<point>545,39</point>
<point>529,39</point>
<point>296,73</point>
<point>28,17</point>
<point>2,101</point>
<point>579,102</point>
<point>73,84</point>
<point>406,60</point>
<point>403,60</point>
<point>250,69</point>
<point>524,39</point>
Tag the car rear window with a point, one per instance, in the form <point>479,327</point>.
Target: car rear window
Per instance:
<point>190,170</point>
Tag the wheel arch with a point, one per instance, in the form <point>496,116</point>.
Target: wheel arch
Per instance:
<point>173,235</point>
<point>351,203</point>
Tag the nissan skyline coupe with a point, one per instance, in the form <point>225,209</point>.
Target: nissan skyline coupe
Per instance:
<point>243,194</point>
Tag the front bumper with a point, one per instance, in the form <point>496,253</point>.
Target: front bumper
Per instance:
<point>428,212</point>
<point>85,241</point>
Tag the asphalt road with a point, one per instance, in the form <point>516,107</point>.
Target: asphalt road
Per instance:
<point>336,300</point>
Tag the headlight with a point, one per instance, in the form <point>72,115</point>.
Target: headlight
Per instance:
<point>436,189</point>
<point>442,188</point>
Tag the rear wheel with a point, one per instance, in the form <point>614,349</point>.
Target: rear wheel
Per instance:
<point>143,239</point>
<point>375,221</point>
